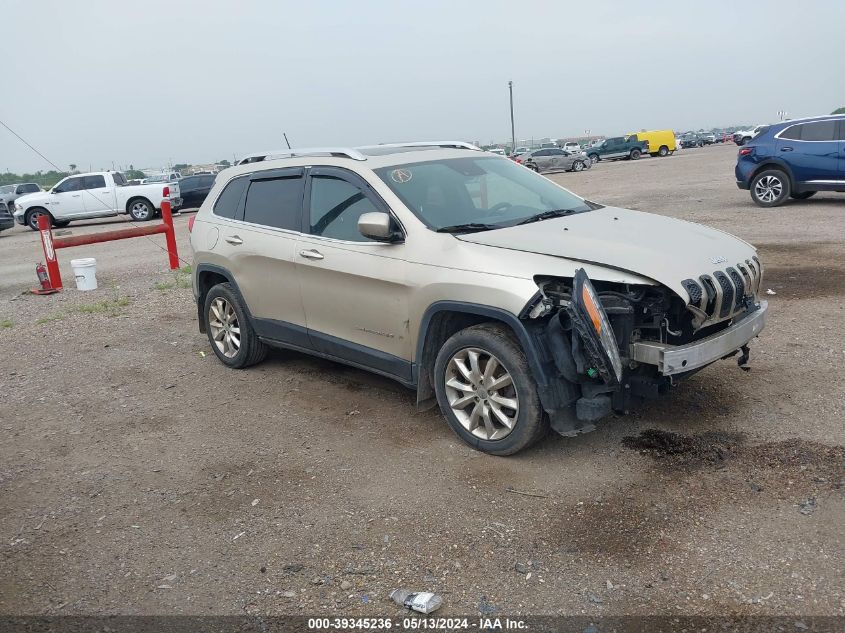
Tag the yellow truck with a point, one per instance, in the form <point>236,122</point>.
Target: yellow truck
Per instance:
<point>660,142</point>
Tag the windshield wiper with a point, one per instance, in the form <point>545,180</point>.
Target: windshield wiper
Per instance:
<point>470,227</point>
<point>547,215</point>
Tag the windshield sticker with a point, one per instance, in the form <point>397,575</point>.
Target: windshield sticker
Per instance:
<point>400,175</point>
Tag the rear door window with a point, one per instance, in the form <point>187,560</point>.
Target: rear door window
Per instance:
<point>792,133</point>
<point>229,200</point>
<point>275,202</point>
<point>93,182</point>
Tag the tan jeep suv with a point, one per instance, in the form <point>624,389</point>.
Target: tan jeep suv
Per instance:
<point>509,301</point>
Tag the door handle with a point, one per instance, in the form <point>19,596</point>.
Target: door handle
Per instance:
<point>311,254</point>
<point>786,149</point>
<point>76,195</point>
<point>234,240</point>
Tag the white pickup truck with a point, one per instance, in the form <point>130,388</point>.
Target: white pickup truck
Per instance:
<point>95,195</point>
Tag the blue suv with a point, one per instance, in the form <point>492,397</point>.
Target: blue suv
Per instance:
<point>793,159</point>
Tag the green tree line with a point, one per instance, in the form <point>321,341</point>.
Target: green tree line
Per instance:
<point>45,179</point>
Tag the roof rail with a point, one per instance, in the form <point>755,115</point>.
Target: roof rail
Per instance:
<point>444,144</point>
<point>343,152</point>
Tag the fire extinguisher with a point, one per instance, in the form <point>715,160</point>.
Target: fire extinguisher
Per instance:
<point>43,277</point>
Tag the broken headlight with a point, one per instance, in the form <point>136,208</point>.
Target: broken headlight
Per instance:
<point>591,322</point>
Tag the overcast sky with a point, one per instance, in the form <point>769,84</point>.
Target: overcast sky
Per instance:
<point>148,82</point>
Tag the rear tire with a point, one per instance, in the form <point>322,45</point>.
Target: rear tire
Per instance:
<point>770,188</point>
<point>229,330</point>
<point>494,396</point>
<point>663,151</point>
<point>141,210</point>
<point>532,167</point>
<point>803,195</point>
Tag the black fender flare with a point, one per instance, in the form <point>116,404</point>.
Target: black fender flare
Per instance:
<point>499,314</point>
<point>775,163</point>
<point>223,272</point>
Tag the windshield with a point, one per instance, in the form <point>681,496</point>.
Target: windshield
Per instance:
<point>489,191</point>
<point>7,189</point>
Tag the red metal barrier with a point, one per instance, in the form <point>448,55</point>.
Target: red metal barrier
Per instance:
<point>51,244</point>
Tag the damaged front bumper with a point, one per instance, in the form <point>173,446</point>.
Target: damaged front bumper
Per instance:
<point>678,359</point>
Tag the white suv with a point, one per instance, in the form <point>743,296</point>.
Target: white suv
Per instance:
<point>511,302</point>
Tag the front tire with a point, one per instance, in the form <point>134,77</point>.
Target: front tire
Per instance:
<point>229,331</point>
<point>594,158</point>
<point>635,154</point>
<point>803,195</point>
<point>32,216</point>
<point>486,391</point>
<point>141,210</point>
<point>578,165</point>
<point>770,188</point>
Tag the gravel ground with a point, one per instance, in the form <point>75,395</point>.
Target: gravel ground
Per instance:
<point>140,476</point>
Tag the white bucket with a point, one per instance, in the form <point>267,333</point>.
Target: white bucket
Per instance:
<point>85,271</point>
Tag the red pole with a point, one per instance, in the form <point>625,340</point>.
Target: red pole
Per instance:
<point>170,234</point>
<point>49,251</point>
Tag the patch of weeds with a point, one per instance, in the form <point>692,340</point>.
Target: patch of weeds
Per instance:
<point>181,279</point>
<point>6,323</point>
<point>50,318</point>
<point>110,307</point>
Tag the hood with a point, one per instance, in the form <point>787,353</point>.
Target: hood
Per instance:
<point>36,196</point>
<point>661,248</point>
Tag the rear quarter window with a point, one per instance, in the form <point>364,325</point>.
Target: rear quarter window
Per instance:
<point>228,201</point>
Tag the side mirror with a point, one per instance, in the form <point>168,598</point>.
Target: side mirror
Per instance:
<point>378,226</point>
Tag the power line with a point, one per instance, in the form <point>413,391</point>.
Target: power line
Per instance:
<point>22,140</point>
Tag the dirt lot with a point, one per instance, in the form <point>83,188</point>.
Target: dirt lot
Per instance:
<point>138,475</point>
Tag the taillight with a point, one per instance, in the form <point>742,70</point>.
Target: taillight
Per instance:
<point>165,192</point>
<point>519,160</point>
<point>191,223</point>
<point>745,151</point>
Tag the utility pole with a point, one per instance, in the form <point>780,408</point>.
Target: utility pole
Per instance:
<point>513,129</point>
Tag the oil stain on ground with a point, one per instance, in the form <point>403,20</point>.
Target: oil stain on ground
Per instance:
<point>691,477</point>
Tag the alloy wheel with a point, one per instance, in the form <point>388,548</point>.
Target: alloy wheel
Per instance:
<point>768,188</point>
<point>140,210</point>
<point>33,219</point>
<point>481,393</point>
<point>224,326</point>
